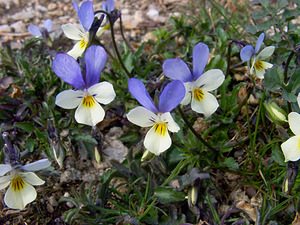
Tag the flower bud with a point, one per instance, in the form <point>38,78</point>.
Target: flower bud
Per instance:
<point>276,114</point>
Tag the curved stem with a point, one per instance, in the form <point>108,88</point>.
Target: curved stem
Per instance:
<point>111,23</point>
<point>123,36</point>
<point>195,132</point>
<point>286,67</point>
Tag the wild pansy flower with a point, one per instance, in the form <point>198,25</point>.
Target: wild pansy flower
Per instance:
<point>157,139</point>
<point>251,55</point>
<point>80,33</point>
<point>20,181</point>
<point>291,147</point>
<point>89,93</point>
<point>197,84</point>
<point>40,32</point>
<point>108,6</point>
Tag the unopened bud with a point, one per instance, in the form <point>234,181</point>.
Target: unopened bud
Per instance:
<point>276,114</point>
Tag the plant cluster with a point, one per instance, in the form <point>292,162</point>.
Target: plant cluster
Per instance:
<point>213,115</point>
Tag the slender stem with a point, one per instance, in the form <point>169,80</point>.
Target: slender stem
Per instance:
<point>123,36</point>
<point>228,58</point>
<point>111,23</point>
<point>286,67</point>
<point>195,132</point>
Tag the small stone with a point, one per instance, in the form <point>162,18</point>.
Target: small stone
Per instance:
<point>52,201</point>
<point>5,29</point>
<point>50,208</point>
<point>18,27</point>
<point>52,6</point>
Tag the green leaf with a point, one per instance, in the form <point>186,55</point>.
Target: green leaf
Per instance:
<point>277,155</point>
<point>26,126</point>
<point>30,145</point>
<point>273,79</point>
<point>168,195</point>
<point>230,163</point>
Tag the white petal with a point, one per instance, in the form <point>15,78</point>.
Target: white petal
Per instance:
<point>73,31</point>
<point>141,116</point>
<point>69,99</point>
<point>37,165</point>
<point>5,168</point>
<point>19,199</point>
<point>294,122</point>
<point>266,52</point>
<point>4,182</point>
<point>210,80</point>
<point>298,100</point>
<point>89,115</point>
<point>208,105</point>
<point>188,96</point>
<point>291,149</point>
<point>172,125</point>
<point>103,92</point>
<point>157,143</point>
<point>76,51</point>
<point>32,178</point>
<point>260,73</point>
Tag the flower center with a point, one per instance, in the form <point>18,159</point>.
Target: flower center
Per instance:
<point>161,128</point>
<point>259,65</point>
<point>83,43</point>
<point>88,101</point>
<point>17,183</point>
<point>198,94</point>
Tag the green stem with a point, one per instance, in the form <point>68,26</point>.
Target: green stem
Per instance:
<point>195,132</point>
<point>228,58</point>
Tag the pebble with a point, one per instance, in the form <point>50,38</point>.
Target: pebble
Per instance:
<point>18,27</point>
<point>52,201</point>
<point>51,6</point>
<point>5,28</point>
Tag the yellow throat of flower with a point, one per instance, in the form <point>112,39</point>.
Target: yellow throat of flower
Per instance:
<point>161,128</point>
<point>17,183</point>
<point>83,43</point>
<point>88,101</point>
<point>198,94</point>
<point>258,65</point>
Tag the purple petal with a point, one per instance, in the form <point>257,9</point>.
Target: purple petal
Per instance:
<point>200,58</point>
<point>34,30</point>
<point>48,25</point>
<point>176,69</point>
<point>108,5</point>
<point>138,91</point>
<point>75,5</point>
<point>246,53</point>
<point>66,67</point>
<point>95,60</point>
<point>86,15</point>
<point>259,42</point>
<point>171,96</point>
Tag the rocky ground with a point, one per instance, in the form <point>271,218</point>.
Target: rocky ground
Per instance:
<point>139,17</point>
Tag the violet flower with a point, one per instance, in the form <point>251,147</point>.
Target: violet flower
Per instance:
<point>36,31</point>
<point>80,33</point>
<point>197,84</point>
<point>251,55</point>
<point>157,139</point>
<point>20,181</point>
<point>89,93</point>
